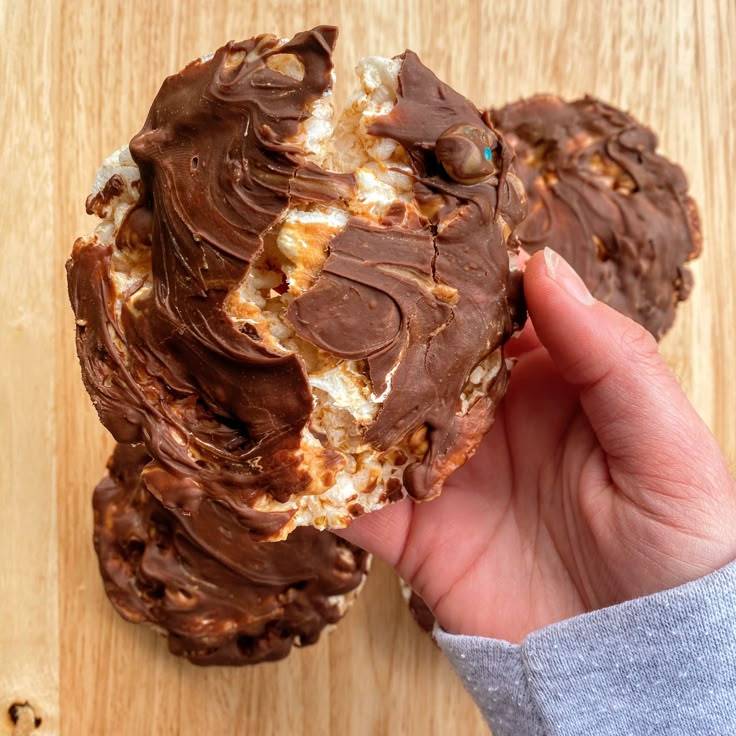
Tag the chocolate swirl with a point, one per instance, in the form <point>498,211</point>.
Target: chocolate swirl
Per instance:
<point>220,597</point>
<point>601,195</point>
<point>415,304</point>
<point>220,413</point>
<point>467,153</point>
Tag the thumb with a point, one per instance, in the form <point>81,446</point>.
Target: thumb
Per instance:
<point>640,415</point>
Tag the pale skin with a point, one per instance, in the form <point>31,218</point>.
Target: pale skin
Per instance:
<point>598,482</point>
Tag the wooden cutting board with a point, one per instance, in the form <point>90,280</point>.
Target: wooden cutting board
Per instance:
<point>77,80</point>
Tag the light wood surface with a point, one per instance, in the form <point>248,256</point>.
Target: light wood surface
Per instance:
<point>77,80</point>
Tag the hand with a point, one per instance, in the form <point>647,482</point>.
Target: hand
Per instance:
<point>598,482</point>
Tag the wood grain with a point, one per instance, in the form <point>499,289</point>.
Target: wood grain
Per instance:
<point>29,589</point>
<point>77,81</point>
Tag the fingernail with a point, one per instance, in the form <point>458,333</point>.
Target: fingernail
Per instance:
<point>560,271</point>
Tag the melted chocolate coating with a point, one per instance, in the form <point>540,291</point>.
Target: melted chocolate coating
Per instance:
<point>220,415</point>
<point>600,195</point>
<point>222,598</point>
<point>216,174</point>
<point>377,298</point>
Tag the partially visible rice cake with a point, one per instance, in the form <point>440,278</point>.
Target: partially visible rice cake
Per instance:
<point>220,597</point>
<point>601,195</point>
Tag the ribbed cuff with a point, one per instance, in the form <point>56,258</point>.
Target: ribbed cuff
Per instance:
<point>663,664</point>
<point>494,674</point>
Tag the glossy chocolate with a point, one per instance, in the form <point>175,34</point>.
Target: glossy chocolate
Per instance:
<point>383,294</point>
<point>467,152</point>
<point>219,596</point>
<point>601,195</point>
<point>220,414</point>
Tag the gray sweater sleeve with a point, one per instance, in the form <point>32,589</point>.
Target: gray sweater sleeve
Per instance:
<point>663,664</point>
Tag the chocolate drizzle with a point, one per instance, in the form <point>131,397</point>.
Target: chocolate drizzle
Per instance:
<point>221,598</point>
<point>220,414</point>
<point>601,195</point>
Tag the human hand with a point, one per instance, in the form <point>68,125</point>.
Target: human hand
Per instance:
<point>597,483</point>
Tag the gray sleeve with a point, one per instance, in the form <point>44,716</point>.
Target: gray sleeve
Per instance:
<point>663,664</point>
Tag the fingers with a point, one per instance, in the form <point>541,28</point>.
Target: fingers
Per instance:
<point>382,533</point>
<point>633,401</point>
